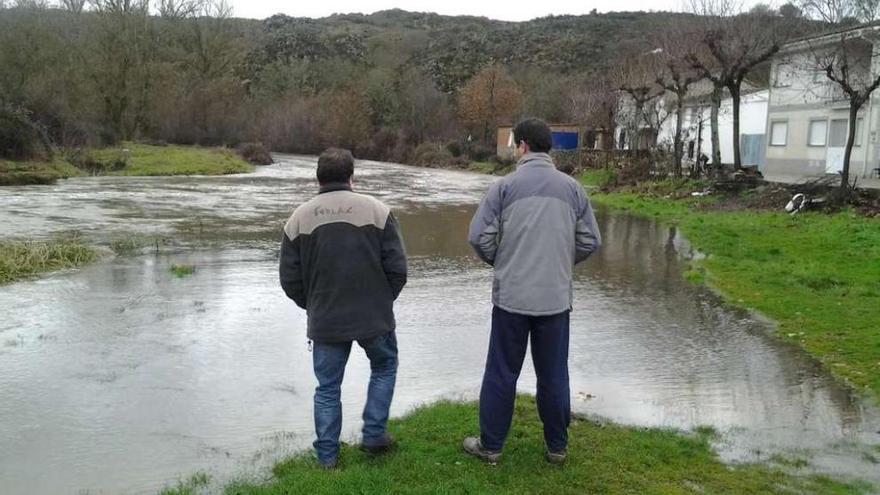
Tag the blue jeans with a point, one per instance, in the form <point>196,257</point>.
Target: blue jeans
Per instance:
<point>507,351</point>
<point>329,362</point>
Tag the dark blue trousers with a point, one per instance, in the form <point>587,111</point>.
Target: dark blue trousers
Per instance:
<point>507,350</point>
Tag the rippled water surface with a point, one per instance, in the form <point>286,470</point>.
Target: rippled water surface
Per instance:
<point>121,377</point>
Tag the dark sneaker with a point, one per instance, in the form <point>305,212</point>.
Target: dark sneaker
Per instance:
<point>557,458</point>
<point>383,446</point>
<point>474,447</point>
<point>329,465</point>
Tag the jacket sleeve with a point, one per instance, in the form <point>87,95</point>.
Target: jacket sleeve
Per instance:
<point>291,271</point>
<point>393,255</point>
<point>485,232</point>
<point>586,236</point>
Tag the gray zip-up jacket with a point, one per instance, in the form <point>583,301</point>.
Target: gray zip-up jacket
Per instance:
<point>533,226</point>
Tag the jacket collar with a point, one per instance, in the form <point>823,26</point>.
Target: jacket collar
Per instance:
<point>535,160</point>
<point>334,186</point>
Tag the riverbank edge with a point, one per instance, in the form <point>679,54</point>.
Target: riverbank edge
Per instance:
<point>603,458</point>
<point>751,257</point>
<point>127,159</point>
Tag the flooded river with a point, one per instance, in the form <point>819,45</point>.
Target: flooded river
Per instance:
<point>122,378</point>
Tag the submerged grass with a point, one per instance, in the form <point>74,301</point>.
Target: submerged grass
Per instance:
<point>143,159</point>
<point>23,259</point>
<point>602,459</point>
<point>182,271</point>
<point>816,275</point>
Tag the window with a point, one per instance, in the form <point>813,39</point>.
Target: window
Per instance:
<point>778,133</point>
<point>818,133</point>
<point>838,135</point>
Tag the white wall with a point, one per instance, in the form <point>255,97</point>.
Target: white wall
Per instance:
<point>753,120</point>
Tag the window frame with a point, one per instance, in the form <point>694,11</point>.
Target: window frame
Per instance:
<point>784,142</point>
<point>810,133</point>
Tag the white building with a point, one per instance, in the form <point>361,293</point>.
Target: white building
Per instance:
<point>697,129</point>
<point>808,118</point>
<point>697,126</point>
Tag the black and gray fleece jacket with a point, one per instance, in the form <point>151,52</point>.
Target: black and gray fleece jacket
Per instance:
<point>343,261</point>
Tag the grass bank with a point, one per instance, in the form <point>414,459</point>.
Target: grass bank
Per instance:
<point>20,260</point>
<point>131,159</point>
<point>817,275</point>
<point>143,159</point>
<point>603,458</point>
<point>31,173</point>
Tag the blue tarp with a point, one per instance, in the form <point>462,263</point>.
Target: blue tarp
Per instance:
<point>565,140</point>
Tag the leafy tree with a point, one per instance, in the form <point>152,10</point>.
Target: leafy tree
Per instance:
<point>488,99</point>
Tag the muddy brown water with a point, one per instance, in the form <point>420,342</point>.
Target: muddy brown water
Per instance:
<point>122,378</point>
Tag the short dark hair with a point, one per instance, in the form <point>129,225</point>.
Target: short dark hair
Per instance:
<point>335,165</point>
<point>536,133</point>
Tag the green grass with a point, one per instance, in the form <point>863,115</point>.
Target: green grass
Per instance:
<point>491,168</point>
<point>140,160</point>
<point>603,458</point>
<point>23,259</point>
<point>30,173</point>
<point>816,275</point>
<point>190,486</point>
<point>143,159</point>
<point>182,271</point>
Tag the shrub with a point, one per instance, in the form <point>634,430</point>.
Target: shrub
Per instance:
<point>479,152</point>
<point>431,155</point>
<point>21,138</point>
<point>255,153</point>
<point>455,148</point>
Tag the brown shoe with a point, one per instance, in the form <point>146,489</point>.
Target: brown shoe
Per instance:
<point>474,447</point>
<point>383,446</point>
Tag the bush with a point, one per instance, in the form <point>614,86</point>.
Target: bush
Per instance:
<point>255,153</point>
<point>432,155</point>
<point>455,148</point>
<point>479,152</point>
<point>92,166</point>
<point>21,138</point>
<point>383,144</point>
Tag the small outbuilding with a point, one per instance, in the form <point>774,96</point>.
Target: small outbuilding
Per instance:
<point>565,137</point>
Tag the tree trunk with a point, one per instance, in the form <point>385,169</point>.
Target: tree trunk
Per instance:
<point>854,106</point>
<point>716,142</point>
<point>678,146</point>
<point>737,98</point>
<point>635,138</point>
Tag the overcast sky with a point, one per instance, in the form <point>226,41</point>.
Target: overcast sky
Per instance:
<point>509,10</point>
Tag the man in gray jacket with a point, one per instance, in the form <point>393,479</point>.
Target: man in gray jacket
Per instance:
<point>533,226</point>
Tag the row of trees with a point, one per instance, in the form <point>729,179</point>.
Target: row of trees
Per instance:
<point>93,72</point>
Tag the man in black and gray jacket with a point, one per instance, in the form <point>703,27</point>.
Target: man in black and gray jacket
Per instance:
<point>343,261</point>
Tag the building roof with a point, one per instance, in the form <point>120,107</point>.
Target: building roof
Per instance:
<point>832,35</point>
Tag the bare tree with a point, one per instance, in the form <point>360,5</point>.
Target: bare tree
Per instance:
<point>676,77</point>
<point>593,104</point>
<point>180,9</point>
<point>637,81</point>
<point>118,61</point>
<point>730,49</point>
<point>846,59</point>
<point>838,11</point>
<point>74,6</point>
